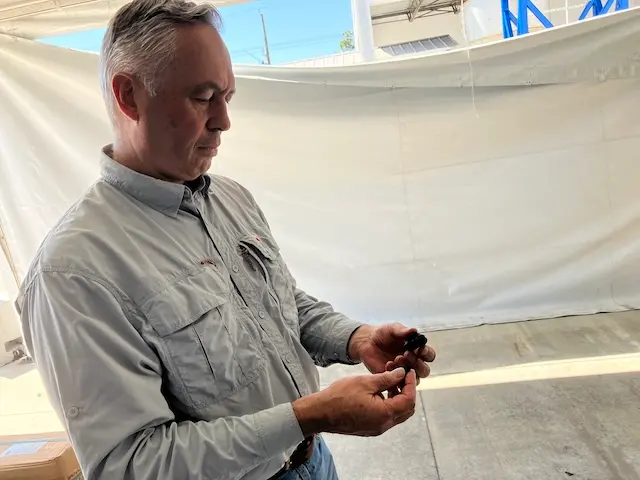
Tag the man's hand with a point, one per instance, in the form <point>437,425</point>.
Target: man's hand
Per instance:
<point>381,349</point>
<point>357,406</point>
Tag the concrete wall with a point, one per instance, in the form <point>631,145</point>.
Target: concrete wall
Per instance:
<point>387,32</point>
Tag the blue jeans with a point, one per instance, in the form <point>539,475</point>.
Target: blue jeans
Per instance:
<point>319,467</point>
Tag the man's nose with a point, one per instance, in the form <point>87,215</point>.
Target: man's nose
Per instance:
<point>219,117</point>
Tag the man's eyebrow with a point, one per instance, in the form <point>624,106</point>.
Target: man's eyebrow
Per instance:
<point>203,87</point>
<point>207,86</point>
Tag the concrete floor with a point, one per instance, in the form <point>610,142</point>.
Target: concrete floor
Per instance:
<point>540,400</point>
<point>548,399</point>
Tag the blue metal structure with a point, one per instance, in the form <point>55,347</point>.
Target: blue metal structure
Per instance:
<point>521,21</point>
<point>599,9</point>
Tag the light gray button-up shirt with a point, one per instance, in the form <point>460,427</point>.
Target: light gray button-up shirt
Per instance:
<point>169,333</point>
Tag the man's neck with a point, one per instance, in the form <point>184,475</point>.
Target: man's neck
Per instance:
<point>125,154</point>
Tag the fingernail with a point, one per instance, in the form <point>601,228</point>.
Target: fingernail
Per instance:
<point>399,372</point>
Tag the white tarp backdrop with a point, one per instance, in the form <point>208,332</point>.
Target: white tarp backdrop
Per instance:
<point>395,190</point>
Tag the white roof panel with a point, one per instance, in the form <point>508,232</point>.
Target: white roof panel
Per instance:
<point>45,18</point>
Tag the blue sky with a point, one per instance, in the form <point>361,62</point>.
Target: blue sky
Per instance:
<point>296,29</point>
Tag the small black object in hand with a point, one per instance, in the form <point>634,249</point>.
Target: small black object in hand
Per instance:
<point>414,342</point>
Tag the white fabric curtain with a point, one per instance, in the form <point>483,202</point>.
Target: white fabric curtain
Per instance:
<point>48,18</point>
<point>442,191</point>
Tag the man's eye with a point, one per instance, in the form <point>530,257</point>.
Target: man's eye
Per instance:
<point>203,100</point>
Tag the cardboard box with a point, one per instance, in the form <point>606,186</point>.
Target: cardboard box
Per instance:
<point>42,456</point>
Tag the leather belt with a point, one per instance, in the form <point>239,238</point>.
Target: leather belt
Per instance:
<point>299,457</point>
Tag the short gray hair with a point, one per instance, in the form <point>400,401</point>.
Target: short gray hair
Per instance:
<point>141,39</point>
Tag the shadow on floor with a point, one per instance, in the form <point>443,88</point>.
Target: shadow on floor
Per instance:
<point>16,369</point>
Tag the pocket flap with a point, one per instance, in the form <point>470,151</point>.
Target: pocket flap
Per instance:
<point>265,245</point>
<point>185,301</point>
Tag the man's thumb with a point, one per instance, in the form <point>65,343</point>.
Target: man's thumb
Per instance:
<point>386,380</point>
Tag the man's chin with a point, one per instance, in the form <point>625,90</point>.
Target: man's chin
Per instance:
<point>200,166</point>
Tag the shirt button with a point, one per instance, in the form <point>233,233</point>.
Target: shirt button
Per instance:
<point>73,412</point>
<point>261,314</point>
<point>235,268</point>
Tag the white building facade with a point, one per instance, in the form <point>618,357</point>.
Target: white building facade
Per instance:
<point>384,28</point>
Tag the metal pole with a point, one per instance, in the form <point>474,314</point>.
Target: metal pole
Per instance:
<point>266,41</point>
<point>363,29</point>
<point>7,253</point>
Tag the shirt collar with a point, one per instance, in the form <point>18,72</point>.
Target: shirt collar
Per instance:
<point>166,197</point>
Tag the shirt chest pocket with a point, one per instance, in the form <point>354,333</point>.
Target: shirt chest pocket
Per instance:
<point>205,342</point>
<point>263,252</point>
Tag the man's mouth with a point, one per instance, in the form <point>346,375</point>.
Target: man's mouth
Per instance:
<point>209,149</point>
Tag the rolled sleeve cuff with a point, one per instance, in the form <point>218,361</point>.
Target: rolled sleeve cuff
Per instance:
<point>340,338</point>
<point>279,429</point>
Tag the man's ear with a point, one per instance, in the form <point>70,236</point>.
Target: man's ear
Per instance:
<point>124,91</point>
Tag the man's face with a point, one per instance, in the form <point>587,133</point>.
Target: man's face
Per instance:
<point>179,128</point>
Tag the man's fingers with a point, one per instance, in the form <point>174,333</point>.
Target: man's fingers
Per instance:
<point>387,380</point>
<point>428,354</point>
<point>405,401</point>
<point>401,361</point>
<point>410,382</point>
<point>392,392</point>
<point>405,417</point>
<point>422,369</point>
<point>406,361</point>
<point>399,331</point>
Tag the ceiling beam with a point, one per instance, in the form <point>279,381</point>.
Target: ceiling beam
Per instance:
<point>29,9</point>
<point>413,9</point>
<point>436,7</point>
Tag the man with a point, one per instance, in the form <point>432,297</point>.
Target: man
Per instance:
<point>170,335</point>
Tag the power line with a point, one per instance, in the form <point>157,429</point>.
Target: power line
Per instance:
<point>292,43</point>
<point>267,48</point>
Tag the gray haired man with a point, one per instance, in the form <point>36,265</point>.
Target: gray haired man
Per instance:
<point>170,335</point>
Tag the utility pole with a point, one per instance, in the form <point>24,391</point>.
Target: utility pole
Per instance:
<point>266,41</point>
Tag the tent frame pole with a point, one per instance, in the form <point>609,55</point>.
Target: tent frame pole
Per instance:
<point>7,253</point>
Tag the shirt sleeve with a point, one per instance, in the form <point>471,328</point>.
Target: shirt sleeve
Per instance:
<point>105,382</point>
<point>324,332</point>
